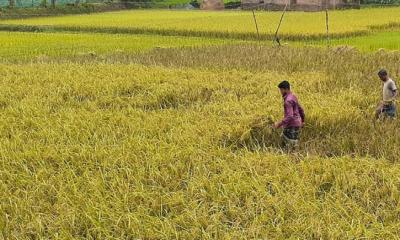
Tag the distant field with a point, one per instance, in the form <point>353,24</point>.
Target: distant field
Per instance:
<point>374,42</point>
<point>370,43</point>
<point>239,24</point>
<point>28,45</point>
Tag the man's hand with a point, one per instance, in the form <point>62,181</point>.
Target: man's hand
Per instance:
<point>395,94</point>
<point>276,125</point>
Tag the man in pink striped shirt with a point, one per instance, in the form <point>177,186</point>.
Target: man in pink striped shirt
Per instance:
<point>294,117</point>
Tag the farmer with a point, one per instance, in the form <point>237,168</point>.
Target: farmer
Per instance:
<point>387,108</point>
<point>294,117</point>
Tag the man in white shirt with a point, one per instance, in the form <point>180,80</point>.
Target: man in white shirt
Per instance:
<point>387,108</point>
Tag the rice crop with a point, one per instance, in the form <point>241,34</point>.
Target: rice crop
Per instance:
<point>234,24</point>
<point>175,144</point>
<point>371,43</point>
<point>28,46</point>
<point>124,136</point>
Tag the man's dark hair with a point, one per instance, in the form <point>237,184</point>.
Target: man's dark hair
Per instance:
<point>284,85</point>
<point>382,73</point>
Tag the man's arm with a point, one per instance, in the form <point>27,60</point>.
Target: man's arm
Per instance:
<point>302,115</point>
<point>288,115</point>
<point>393,87</point>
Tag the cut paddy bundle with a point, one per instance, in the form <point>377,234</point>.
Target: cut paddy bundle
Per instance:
<point>257,135</point>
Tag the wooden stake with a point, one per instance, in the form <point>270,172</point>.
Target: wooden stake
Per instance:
<point>276,39</point>
<point>327,24</point>
<point>255,22</point>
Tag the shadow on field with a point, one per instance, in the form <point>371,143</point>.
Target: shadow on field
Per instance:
<point>354,137</point>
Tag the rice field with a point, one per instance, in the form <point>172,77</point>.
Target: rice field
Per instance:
<point>27,46</point>
<point>370,43</point>
<point>126,136</point>
<point>238,24</point>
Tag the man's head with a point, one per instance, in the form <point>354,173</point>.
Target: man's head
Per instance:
<point>284,87</point>
<point>383,75</point>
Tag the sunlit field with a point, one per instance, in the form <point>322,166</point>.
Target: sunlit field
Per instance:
<point>111,135</point>
<point>18,46</point>
<point>387,41</point>
<point>238,24</point>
